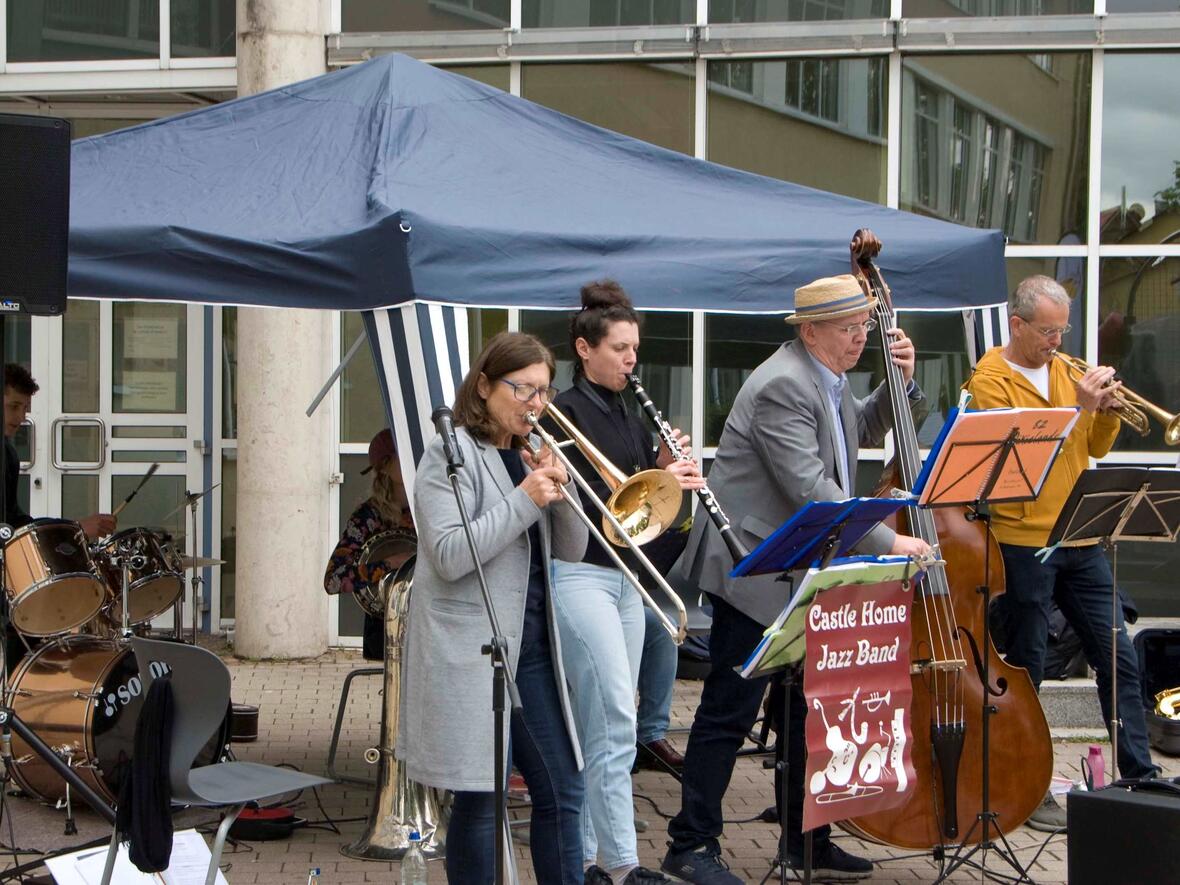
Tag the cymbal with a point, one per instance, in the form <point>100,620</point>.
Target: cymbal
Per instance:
<point>199,561</point>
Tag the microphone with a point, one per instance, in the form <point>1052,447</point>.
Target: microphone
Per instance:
<point>444,423</point>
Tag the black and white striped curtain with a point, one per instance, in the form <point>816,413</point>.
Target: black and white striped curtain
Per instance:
<point>986,327</point>
<point>420,352</point>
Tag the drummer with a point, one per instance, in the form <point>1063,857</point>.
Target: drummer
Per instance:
<point>19,388</point>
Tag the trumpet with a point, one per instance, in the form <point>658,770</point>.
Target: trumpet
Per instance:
<point>1132,409</point>
<point>637,511</point>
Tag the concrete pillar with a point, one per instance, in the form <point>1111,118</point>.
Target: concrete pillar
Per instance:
<point>283,359</point>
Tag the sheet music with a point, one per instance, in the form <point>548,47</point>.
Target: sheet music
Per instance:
<point>187,866</point>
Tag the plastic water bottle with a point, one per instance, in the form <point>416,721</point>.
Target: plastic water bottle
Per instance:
<point>414,862</point>
<point>1097,766</point>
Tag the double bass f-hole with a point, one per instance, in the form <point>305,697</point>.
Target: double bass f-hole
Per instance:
<point>1000,688</point>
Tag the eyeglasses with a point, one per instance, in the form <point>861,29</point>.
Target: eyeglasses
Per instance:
<point>1051,330</point>
<point>525,392</point>
<point>852,328</point>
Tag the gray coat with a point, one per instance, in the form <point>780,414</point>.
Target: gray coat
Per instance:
<point>445,729</point>
<point>778,452</point>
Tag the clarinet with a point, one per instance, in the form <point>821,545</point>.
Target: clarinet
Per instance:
<point>664,429</point>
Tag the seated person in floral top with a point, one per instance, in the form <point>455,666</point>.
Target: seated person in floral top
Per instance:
<point>385,509</point>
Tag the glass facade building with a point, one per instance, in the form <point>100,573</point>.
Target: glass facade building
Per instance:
<point>1053,120</point>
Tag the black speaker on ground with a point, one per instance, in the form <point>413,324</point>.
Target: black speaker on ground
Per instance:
<point>34,213</point>
<point>1123,837</point>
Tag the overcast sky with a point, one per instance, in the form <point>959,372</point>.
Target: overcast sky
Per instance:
<point>1140,127</point>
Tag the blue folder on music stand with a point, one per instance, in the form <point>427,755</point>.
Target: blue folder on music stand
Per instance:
<point>820,532</point>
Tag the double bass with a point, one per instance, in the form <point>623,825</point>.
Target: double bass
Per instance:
<point>946,657</point>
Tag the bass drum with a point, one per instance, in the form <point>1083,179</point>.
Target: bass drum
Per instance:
<point>82,696</point>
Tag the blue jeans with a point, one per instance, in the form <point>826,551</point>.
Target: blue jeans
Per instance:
<point>657,678</point>
<point>601,620</point>
<point>539,745</point>
<point>1079,580</point>
<point>729,706</point>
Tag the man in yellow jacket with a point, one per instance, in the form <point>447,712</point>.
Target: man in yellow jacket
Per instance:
<point>1025,374</point>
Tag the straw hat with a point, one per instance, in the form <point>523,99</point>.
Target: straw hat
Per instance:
<point>830,298</point>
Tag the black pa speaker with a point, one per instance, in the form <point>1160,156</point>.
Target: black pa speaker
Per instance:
<point>1124,837</point>
<point>34,213</point>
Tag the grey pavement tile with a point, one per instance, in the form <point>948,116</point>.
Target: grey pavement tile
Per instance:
<point>298,707</point>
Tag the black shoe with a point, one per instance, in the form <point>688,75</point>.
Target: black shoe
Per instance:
<point>596,875</point>
<point>700,866</point>
<point>831,864</point>
<point>644,876</point>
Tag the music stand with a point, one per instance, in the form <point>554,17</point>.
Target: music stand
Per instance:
<point>989,457</point>
<point>1108,505</point>
<point>812,538</point>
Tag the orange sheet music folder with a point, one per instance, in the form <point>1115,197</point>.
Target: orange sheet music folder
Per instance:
<point>1019,445</point>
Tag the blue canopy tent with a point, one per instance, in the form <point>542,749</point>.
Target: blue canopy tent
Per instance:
<point>400,189</point>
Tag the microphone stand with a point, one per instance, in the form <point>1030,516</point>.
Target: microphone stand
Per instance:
<point>502,679</point>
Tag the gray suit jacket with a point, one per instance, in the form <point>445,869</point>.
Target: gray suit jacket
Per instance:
<point>778,452</point>
<point>445,728</point>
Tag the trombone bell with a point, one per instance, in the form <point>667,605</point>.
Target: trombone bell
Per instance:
<point>645,506</point>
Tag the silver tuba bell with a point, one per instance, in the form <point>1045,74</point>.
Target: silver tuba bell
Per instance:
<point>400,805</point>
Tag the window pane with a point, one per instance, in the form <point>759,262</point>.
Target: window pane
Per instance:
<point>1140,160</point>
<point>665,354</point>
<point>735,345</point>
<point>1071,273</point>
<point>1139,334</point>
<point>154,506</point>
<point>150,366</point>
<point>651,102</point>
<point>229,529</point>
<point>203,28</point>
<point>353,492</point>
<point>953,8</point>
<point>818,122</point>
<point>79,496</point>
<point>482,325</point>
<point>17,338</point>
<point>1140,5</point>
<point>362,413</point>
<point>492,75</point>
<point>728,11</point>
<point>79,357</point>
<point>423,15</point>
<point>998,141</point>
<point>64,31</point>
<point>605,13</point>
<point>229,372</point>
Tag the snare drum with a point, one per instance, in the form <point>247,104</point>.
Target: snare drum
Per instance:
<point>82,696</point>
<point>51,581</point>
<point>151,588</point>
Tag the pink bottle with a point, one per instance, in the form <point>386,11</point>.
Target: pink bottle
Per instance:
<point>1097,764</point>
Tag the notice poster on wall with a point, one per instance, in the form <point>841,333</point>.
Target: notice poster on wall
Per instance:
<point>150,337</point>
<point>148,391</point>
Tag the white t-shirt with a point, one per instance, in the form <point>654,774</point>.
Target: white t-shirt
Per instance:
<point>1038,377</point>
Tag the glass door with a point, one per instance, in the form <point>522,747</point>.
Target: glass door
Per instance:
<point>127,390</point>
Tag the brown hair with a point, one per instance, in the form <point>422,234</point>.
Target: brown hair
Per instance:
<point>507,352</point>
<point>603,302</point>
<point>19,379</point>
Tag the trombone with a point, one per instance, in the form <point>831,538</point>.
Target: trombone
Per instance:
<point>640,508</point>
<point>1132,409</point>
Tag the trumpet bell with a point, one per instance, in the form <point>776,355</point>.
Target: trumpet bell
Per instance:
<point>645,505</point>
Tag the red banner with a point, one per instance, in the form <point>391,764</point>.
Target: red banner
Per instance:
<point>857,684</point>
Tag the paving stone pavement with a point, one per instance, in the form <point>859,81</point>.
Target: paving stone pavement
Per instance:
<point>297,703</point>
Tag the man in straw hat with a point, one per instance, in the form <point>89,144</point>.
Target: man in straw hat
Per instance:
<point>791,437</point>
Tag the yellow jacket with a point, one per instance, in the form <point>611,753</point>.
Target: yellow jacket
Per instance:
<point>994,385</point>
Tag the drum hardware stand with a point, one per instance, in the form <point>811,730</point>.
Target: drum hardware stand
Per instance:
<point>67,753</point>
<point>190,501</point>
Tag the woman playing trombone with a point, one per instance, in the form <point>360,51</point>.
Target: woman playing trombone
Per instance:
<point>446,726</point>
<point>600,614</point>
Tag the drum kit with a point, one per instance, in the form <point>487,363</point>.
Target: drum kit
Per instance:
<point>78,688</point>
